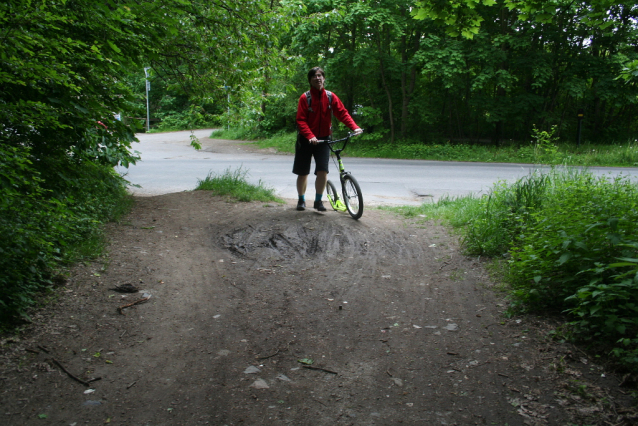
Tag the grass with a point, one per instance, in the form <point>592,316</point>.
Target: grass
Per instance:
<point>546,151</point>
<point>233,183</point>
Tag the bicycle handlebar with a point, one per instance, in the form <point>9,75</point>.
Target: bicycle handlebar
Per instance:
<point>339,140</point>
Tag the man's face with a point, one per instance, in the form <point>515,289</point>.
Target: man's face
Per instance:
<point>317,80</point>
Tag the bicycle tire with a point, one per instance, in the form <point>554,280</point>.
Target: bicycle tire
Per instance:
<point>333,196</point>
<point>352,196</point>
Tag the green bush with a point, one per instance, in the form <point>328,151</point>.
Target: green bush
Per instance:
<point>47,218</point>
<point>583,220</point>
<point>607,308</point>
<point>194,118</point>
<point>571,243</point>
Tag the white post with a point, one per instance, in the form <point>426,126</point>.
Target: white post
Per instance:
<point>148,87</point>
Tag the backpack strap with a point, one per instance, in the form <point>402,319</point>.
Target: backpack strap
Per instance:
<point>309,99</point>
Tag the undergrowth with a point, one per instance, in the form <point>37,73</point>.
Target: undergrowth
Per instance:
<point>49,217</point>
<point>570,240</point>
<point>233,183</point>
<point>543,148</point>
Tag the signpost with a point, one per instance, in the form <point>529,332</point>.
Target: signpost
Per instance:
<point>148,87</point>
<point>581,114</point>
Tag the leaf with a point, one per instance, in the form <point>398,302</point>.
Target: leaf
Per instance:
<point>114,47</point>
<point>564,258</point>
<point>306,361</point>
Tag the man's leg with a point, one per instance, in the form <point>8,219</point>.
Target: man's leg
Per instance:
<point>320,182</point>
<point>302,182</point>
<point>320,186</point>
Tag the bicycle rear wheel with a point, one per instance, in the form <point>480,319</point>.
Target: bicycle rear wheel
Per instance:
<point>333,197</point>
<point>352,196</point>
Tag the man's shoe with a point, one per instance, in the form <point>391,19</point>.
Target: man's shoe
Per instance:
<point>319,206</point>
<point>301,205</point>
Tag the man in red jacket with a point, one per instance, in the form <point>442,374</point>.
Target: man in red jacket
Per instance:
<point>314,121</point>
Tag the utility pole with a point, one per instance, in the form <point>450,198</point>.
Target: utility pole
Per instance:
<point>148,87</point>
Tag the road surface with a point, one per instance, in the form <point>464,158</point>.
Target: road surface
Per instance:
<point>169,164</point>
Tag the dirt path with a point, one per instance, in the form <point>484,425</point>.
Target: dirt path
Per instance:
<point>400,328</point>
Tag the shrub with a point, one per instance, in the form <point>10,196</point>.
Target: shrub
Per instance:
<point>47,217</point>
<point>583,220</point>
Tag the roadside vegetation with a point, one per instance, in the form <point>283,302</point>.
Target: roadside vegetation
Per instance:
<point>49,219</point>
<point>542,148</point>
<point>566,243</point>
<point>234,184</point>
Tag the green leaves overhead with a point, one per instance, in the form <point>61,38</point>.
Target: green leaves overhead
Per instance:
<point>63,65</point>
<point>464,17</point>
<point>457,16</point>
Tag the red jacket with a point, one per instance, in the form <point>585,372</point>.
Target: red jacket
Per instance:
<point>318,122</point>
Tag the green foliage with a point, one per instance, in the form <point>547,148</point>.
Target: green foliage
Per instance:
<point>234,184</point>
<point>236,133</point>
<point>46,227</point>
<point>368,145</point>
<point>607,308</point>
<point>570,240</point>
<point>545,142</point>
<point>584,220</point>
<point>193,118</point>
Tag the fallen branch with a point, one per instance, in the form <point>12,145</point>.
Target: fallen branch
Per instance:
<point>137,302</point>
<point>43,349</point>
<point>310,367</point>
<point>69,374</point>
<point>32,351</point>
<point>268,356</point>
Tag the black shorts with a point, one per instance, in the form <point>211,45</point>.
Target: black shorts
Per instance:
<point>304,151</point>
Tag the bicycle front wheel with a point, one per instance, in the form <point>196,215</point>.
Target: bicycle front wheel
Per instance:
<point>352,196</point>
<point>333,198</point>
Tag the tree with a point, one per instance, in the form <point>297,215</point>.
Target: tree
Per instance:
<point>540,62</point>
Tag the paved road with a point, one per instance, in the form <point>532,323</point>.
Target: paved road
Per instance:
<point>170,164</point>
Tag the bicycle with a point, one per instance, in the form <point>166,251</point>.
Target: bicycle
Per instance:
<point>350,189</point>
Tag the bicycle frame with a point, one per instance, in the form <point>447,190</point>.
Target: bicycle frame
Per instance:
<point>338,204</point>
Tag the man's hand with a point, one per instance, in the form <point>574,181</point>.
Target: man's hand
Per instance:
<point>313,140</point>
<point>358,131</point>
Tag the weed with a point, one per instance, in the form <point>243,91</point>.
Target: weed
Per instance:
<point>234,184</point>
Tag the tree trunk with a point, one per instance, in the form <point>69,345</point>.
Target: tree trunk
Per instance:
<point>386,88</point>
<point>407,87</point>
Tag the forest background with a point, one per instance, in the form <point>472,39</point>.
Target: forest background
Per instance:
<point>74,76</point>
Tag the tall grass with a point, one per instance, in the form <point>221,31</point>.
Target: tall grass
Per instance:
<point>571,240</point>
<point>233,183</point>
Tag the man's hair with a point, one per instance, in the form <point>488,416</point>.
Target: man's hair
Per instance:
<point>313,71</point>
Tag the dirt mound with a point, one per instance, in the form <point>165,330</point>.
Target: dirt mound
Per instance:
<point>261,314</point>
